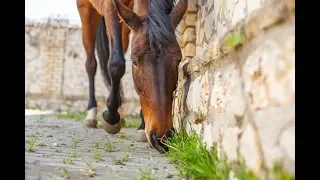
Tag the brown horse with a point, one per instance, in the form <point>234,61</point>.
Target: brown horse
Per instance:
<point>155,57</point>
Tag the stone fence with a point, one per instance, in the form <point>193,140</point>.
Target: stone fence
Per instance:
<point>55,73</point>
<point>236,84</point>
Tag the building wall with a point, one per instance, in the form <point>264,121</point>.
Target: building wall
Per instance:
<point>55,73</point>
<point>237,79</point>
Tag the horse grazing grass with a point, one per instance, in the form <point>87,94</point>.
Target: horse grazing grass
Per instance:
<point>155,56</point>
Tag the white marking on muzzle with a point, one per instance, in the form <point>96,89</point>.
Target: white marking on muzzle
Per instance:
<point>148,137</point>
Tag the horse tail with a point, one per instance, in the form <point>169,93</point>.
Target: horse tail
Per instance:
<point>103,53</point>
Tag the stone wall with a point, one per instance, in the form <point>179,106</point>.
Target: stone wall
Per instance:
<point>237,80</point>
<point>55,73</point>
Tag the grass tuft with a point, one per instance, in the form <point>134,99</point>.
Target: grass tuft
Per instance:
<point>192,158</point>
<point>32,141</point>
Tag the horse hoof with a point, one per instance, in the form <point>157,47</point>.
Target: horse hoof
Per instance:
<point>91,123</point>
<point>141,136</point>
<point>112,120</point>
<point>111,129</point>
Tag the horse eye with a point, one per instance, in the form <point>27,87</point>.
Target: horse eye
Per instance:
<point>134,62</point>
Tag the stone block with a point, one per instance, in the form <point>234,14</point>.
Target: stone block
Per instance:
<point>189,35</point>
<point>192,6</point>
<point>191,19</point>
<point>182,26</point>
<point>204,94</point>
<point>230,142</point>
<point>239,12</point>
<point>269,75</point>
<point>249,149</point>
<point>189,50</point>
<point>208,25</point>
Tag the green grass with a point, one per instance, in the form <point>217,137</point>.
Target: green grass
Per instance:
<point>75,141</point>
<point>79,116</point>
<point>98,154</point>
<point>121,135</point>
<point>278,173</point>
<point>74,154</point>
<point>146,174</point>
<point>67,160</point>
<point>125,157</point>
<point>132,121</point>
<point>31,142</point>
<point>194,161</point>
<point>108,146</point>
<point>66,173</point>
<point>90,170</point>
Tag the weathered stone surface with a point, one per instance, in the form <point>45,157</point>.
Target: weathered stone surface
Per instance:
<point>230,142</point>
<point>190,19</point>
<point>287,142</point>
<point>204,94</point>
<point>189,35</point>
<point>253,5</point>
<point>227,94</point>
<point>239,12</point>
<point>192,5</point>
<point>196,96</point>
<point>250,150</point>
<point>271,123</point>
<point>269,74</point>
<point>182,26</point>
<point>207,134</point>
<point>208,25</point>
<point>252,87</point>
<point>189,50</point>
<point>55,144</point>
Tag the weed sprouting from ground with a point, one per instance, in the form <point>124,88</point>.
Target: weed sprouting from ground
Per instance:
<point>67,160</point>
<point>98,155</point>
<point>74,154</point>
<point>90,170</point>
<point>121,136</point>
<point>31,142</point>
<point>146,174</point>
<point>125,157</point>
<point>108,146</point>
<point>66,173</point>
<point>75,141</point>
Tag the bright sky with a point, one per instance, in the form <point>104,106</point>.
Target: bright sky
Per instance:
<point>41,9</point>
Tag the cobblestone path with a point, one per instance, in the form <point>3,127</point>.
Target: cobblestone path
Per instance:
<point>66,149</point>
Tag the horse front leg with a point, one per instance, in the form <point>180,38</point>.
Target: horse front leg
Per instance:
<point>89,18</point>
<point>116,69</point>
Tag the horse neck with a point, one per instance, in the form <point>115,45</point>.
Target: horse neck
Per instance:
<point>141,7</point>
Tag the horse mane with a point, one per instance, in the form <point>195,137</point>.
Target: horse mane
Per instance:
<point>161,30</point>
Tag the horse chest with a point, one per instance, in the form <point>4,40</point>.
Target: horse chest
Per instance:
<point>99,5</point>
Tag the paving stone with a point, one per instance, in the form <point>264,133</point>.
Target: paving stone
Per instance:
<point>55,139</point>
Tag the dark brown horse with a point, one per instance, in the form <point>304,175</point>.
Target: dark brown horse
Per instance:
<point>155,57</point>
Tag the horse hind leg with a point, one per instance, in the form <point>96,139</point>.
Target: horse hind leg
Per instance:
<point>89,18</point>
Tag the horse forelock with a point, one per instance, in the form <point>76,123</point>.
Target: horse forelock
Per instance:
<point>161,30</point>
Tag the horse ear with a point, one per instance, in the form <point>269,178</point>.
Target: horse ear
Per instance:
<point>127,15</point>
<point>178,12</point>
